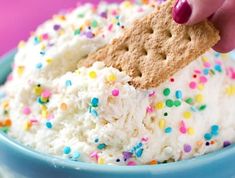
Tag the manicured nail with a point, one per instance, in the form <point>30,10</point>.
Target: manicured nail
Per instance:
<point>182,11</point>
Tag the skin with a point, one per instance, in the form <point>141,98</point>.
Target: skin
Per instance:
<point>222,14</point>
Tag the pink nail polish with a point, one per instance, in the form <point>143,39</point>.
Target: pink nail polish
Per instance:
<point>181,11</point>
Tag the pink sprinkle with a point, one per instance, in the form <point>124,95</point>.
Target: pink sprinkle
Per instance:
<point>207,64</point>
<point>182,128</point>
<point>45,36</point>
<point>46,94</point>
<point>131,163</point>
<point>218,62</point>
<point>114,12</point>
<point>197,71</point>
<point>152,94</point>
<point>145,139</point>
<point>26,110</point>
<point>34,121</point>
<point>203,79</point>
<point>115,92</point>
<point>110,27</point>
<point>140,9</point>
<point>10,77</point>
<point>94,154</point>
<point>192,85</point>
<point>149,109</point>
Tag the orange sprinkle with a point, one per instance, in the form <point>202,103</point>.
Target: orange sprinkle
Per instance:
<point>199,143</point>
<point>7,123</point>
<point>63,107</point>
<point>1,124</point>
<point>153,162</point>
<point>212,142</point>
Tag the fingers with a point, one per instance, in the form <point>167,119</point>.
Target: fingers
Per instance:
<point>224,20</point>
<point>194,11</point>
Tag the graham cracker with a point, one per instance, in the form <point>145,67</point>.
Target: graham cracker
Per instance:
<point>156,47</point>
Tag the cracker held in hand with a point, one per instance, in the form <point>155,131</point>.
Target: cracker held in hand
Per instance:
<point>155,47</point>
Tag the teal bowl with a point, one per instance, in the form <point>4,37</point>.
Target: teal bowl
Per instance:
<point>18,161</point>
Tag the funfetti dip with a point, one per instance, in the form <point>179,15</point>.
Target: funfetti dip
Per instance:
<point>94,114</point>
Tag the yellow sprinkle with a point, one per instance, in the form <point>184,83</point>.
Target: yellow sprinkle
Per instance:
<point>191,131</point>
<point>49,60</point>
<point>199,98</point>
<point>162,123</point>
<point>230,90</point>
<point>159,105</point>
<point>187,115</point>
<point>5,104</point>
<point>205,59</point>
<point>44,113</point>
<point>101,161</point>
<point>127,4</point>
<point>37,90</point>
<point>43,107</point>
<point>20,70</point>
<point>112,78</point>
<point>224,56</point>
<point>43,47</point>
<point>21,44</point>
<point>27,125</point>
<point>92,74</point>
<point>200,87</point>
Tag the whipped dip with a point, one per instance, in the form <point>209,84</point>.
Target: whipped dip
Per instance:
<point>94,115</point>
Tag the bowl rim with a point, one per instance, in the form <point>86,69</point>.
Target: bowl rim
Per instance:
<point>159,168</point>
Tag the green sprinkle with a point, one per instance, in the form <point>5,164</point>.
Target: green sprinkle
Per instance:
<point>81,15</point>
<point>94,23</point>
<point>169,103</point>
<point>189,100</point>
<point>4,129</point>
<point>202,107</point>
<point>77,32</point>
<point>166,91</point>
<point>177,103</point>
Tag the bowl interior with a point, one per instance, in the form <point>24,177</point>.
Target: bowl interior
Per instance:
<point>220,155</point>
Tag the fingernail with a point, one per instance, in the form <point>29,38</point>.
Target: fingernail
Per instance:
<point>182,11</point>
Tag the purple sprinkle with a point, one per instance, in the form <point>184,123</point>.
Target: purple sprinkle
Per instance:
<point>127,155</point>
<point>56,27</point>
<point>89,35</point>
<point>187,148</point>
<point>103,14</point>
<point>226,143</point>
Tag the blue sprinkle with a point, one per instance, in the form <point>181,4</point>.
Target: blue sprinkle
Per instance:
<point>2,95</point>
<point>39,65</point>
<point>139,152</point>
<point>96,140</point>
<point>76,156</point>
<point>95,102</point>
<point>67,150</point>
<point>218,68</point>
<point>36,40</point>
<point>68,83</point>
<point>207,136</point>
<point>168,130</point>
<point>49,125</point>
<point>217,54</point>
<point>232,54</point>
<point>215,130</point>
<point>42,53</point>
<point>94,113</point>
<point>193,108</point>
<point>101,146</point>
<point>139,145</point>
<point>178,94</point>
<point>206,71</point>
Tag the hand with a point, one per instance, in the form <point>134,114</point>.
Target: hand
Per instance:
<point>220,12</point>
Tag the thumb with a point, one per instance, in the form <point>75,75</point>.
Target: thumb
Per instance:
<point>194,11</point>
